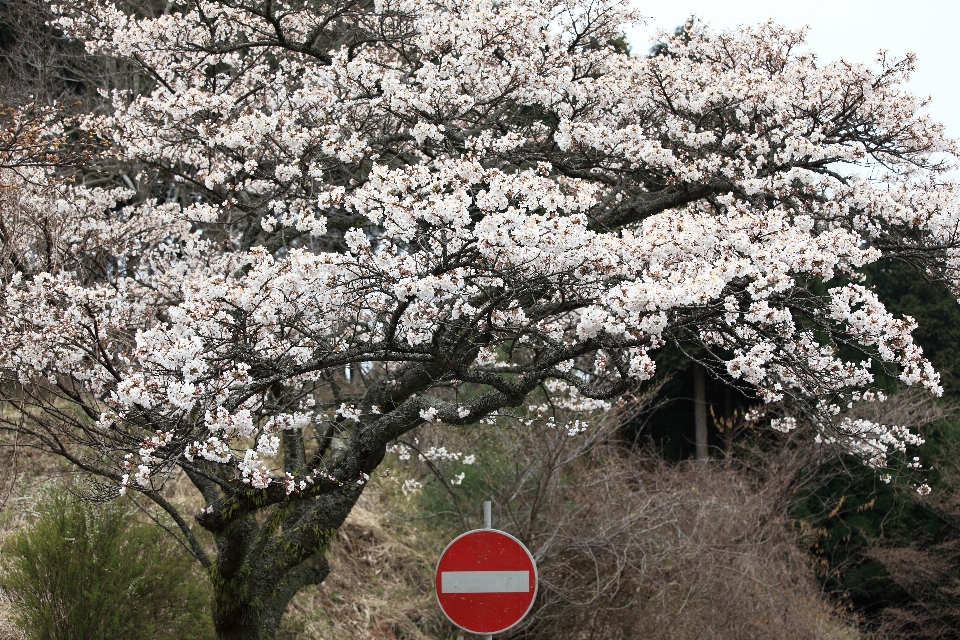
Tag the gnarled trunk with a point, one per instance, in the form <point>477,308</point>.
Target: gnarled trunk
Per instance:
<point>249,604</point>
<point>253,580</point>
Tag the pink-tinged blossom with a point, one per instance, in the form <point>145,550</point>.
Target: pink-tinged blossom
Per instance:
<point>483,195</point>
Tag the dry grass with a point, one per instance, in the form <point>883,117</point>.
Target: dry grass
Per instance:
<point>704,556</point>
<point>676,553</point>
<point>629,546</point>
<point>673,553</point>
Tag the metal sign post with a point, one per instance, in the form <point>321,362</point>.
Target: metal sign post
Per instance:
<point>487,524</point>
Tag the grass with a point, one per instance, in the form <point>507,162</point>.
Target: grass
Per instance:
<point>382,562</point>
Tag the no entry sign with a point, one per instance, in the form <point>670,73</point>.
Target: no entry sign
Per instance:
<point>486,581</point>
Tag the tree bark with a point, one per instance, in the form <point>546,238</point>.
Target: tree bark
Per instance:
<point>700,410</point>
<point>251,585</point>
<point>239,615</point>
<point>263,562</point>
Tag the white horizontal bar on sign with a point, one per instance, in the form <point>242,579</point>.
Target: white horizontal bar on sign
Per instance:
<point>484,581</point>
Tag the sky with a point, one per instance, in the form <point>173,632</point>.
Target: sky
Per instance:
<point>854,30</point>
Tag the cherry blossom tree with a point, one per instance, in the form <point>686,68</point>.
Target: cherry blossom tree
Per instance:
<point>342,219</point>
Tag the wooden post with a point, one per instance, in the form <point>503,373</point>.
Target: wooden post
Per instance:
<point>700,409</point>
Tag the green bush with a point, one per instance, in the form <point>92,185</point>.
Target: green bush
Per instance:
<point>83,570</point>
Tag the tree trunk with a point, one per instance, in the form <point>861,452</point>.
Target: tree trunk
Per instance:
<point>700,410</point>
<point>256,575</point>
<point>250,600</point>
<point>272,542</point>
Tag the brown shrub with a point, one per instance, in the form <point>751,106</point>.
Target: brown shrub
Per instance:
<point>674,553</point>
<point>629,546</point>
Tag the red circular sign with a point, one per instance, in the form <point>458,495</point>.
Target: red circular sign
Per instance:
<point>486,581</point>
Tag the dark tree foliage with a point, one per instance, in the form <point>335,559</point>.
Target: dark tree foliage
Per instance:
<point>891,557</point>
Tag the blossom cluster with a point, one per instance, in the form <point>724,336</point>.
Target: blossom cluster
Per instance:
<point>484,190</point>
<point>439,460</point>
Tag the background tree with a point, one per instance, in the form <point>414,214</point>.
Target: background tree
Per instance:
<point>883,552</point>
<point>344,220</point>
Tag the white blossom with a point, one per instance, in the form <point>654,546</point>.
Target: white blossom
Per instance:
<point>411,486</point>
<point>370,208</point>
